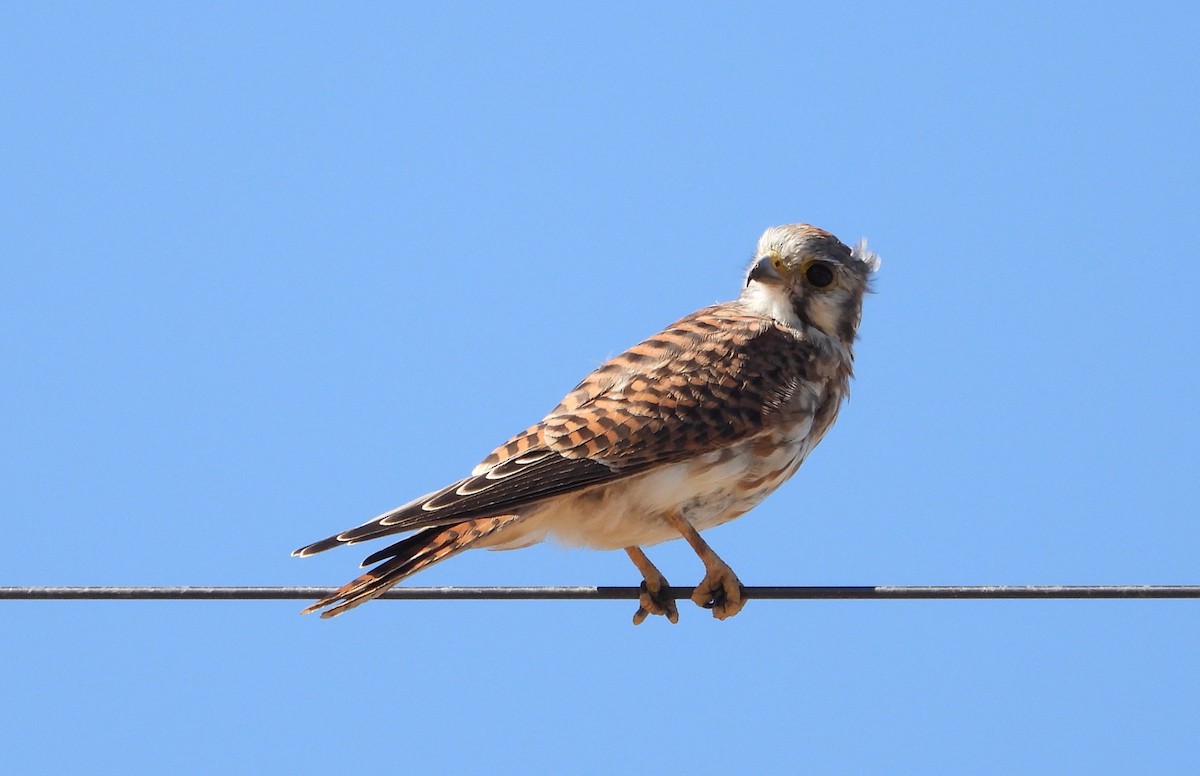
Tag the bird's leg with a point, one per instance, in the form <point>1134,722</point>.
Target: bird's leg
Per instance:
<point>656,592</point>
<point>720,590</point>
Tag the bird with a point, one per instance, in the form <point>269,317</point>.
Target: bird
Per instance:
<point>685,431</point>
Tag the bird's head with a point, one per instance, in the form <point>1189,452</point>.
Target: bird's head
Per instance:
<point>805,277</point>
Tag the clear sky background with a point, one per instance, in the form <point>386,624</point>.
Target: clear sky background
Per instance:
<point>271,269</point>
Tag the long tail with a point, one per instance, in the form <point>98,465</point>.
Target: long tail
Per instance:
<point>407,557</point>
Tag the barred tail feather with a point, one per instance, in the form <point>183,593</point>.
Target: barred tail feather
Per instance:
<point>407,557</point>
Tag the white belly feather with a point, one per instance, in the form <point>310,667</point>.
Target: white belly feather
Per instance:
<point>708,490</point>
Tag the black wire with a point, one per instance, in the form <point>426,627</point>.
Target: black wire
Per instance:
<point>886,592</point>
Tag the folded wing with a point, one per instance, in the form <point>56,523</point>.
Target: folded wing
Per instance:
<point>710,380</point>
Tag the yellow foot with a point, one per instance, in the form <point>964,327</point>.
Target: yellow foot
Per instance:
<point>656,599</point>
<point>720,590</point>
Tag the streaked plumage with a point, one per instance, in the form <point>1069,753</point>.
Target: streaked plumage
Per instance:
<point>687,430</point>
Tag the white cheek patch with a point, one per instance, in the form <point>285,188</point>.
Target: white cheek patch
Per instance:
<point>824,313</point>
<point>772,301</point>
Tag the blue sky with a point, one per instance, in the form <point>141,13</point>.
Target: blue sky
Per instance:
<point>271,269</point>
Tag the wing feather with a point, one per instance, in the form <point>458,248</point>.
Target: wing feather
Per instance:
<point>710,380</point>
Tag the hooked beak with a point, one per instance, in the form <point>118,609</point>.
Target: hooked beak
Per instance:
<point>763,271</point>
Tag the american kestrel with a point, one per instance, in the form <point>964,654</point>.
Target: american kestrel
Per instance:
<point>683,432</point>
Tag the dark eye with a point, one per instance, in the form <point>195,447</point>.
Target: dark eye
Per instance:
<point>819,274</point>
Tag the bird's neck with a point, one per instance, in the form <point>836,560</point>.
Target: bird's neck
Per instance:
<point>773,301</point>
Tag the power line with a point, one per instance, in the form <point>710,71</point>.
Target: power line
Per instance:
<point>883,592</point>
